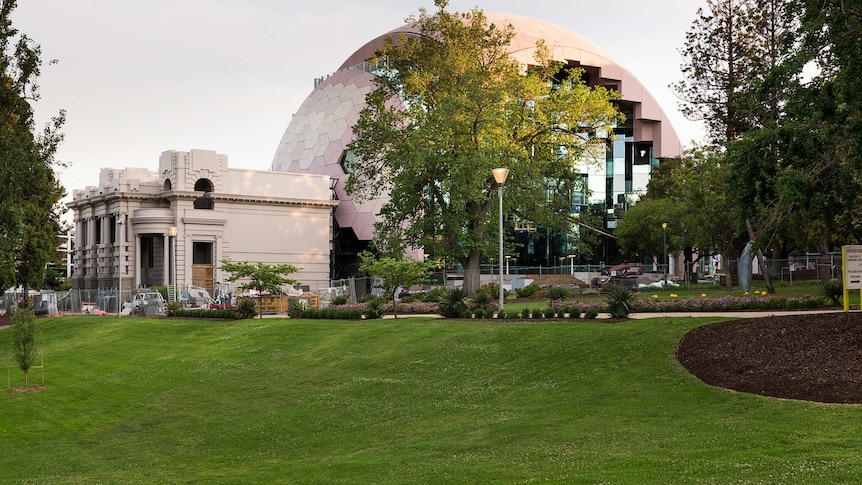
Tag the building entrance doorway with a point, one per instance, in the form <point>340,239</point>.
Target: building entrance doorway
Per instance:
<point>152,268</point>
<point>203,265</point>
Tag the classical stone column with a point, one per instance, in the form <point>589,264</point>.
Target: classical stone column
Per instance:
<point>137,271</point>
<point>167,250</point>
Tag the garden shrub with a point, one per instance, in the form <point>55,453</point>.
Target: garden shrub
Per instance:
<point>619,301</point>
<point>296,309</point>
<point>481,301</point>
<point>591,313</point>
<point>574,311</point>
<point>434,294</point>
<point>172,308</point>
<point>549,312</point>
<point>453,303</point>
<point>373,308</point>
<point>339,300</point>
<point>525,312</point>
<point>245,308</point>
<point>491,289</point>
<point>556,293</point>
<point>833,289</point>
<point>528,291</point>
<point>163,290</point>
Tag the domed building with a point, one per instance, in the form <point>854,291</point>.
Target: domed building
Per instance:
<point>316,139</point>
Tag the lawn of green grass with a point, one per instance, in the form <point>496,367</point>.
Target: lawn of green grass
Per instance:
<point>413,400</point>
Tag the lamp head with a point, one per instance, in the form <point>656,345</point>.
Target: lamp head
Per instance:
<point>500,175</point>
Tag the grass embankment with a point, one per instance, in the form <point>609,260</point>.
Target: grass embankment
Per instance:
<point>412,400</point>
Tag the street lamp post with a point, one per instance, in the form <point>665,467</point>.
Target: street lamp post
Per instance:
<point>664,245</point>
<point>172,231</point>
<point>572,264</point>
<point>500,175</point>
<point>507,264</point>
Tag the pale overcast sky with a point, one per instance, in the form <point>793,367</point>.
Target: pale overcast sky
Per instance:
<point>138,77</point>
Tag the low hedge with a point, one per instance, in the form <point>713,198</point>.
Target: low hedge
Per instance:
<point>201,313</point>
<point>332,314</point>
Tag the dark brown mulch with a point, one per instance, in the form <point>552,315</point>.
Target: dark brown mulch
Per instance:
<point>811,357</point>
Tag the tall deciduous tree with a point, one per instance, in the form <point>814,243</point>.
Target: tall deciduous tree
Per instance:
<point>260,277</point>
<point>798,174</point>
<point>736,81</point>
<point>29,189</point>
<point>691,195</point>
<point>451,105</point>
<point>720,61</point>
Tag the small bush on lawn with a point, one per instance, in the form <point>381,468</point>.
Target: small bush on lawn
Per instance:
<point>525,312</point>
<point>549,312</point>
<point>433,296</point>
<point>481,301</point>
<point>557,293</point>
<point>528,291</point>
<point>296,309</point>
<point>173,307</point>
<point>491,289</point>
<point>574,311</point>
<point>163,290</point>
<point>245,308</point>
<point>373,308</point>
<point>592,313</point>
<point>833,289</point>
<point>620,301</point>
<point>453,303</point>
<point>411,308</point>
<point>339,300</point>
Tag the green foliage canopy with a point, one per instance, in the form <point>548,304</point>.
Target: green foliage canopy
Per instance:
<point>395,273</point>
<point>450,105</point>
<point>260,277</point>
<point>29,189</point>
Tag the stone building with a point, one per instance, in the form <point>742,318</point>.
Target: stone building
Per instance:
<point>140,228</point>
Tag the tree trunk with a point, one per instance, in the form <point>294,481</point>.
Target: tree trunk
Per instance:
<point>824,272</point>
<point>767,277</point>
<point>688,253</point>
<point>471,272</point>
<point>728,278</point>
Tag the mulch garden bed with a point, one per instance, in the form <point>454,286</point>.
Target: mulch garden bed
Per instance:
<point>811,357</point>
